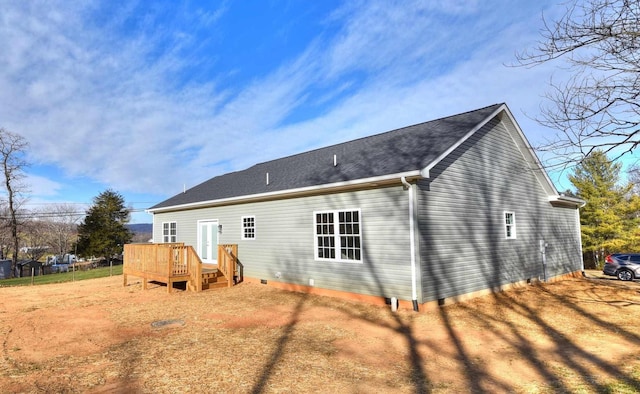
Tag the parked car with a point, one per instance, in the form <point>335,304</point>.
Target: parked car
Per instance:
<point>55,268</point>
<point>61,259</point>
<point>625,266</point>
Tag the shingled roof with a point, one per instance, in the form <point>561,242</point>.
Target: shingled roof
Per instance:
<point>400,151</point>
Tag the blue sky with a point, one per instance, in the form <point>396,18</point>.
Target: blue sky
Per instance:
<point>149,97</point>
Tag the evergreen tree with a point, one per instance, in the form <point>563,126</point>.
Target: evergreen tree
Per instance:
<point>606,219</point>
<point>630,239</point>
<point>103,232</point>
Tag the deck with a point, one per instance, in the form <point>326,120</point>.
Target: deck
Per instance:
<point>175,263</point>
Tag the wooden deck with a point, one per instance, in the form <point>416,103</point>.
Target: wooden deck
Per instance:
<point>175,262</point>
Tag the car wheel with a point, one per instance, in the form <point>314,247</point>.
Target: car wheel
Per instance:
<point>625,275</point>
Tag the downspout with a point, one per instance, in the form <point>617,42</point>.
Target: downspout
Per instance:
<point>580,239</point>
<point>412,242</point>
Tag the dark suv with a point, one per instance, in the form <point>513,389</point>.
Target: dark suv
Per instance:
<point>626,266</point>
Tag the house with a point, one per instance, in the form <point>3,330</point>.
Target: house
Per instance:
<point>29,268</point>
<point>428,213</point>
<point>5,269</point>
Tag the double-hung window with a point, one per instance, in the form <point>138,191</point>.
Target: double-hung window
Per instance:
<point>510,225</point>
<point>249,227</point>
<point>338,236</point>
<point>169,232</point>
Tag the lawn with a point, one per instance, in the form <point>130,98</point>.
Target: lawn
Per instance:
<point>63,277</point>
<point>97,336</point>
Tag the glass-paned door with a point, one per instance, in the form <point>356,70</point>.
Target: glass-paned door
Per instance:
<point>208,241</point>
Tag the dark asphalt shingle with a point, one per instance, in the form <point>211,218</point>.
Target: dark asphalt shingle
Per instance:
<point>398,151</point>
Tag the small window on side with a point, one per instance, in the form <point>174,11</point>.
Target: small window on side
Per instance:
<point>510,225</point>
<point>249,227</point>
<point>169,232</point>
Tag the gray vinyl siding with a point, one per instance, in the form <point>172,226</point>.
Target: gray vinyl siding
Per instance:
<point>460,230</point>
<point>284,241</point>
<point>461,209</point>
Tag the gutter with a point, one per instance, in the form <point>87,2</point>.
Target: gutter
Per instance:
<point>567,201</point>
<point>384,180</point>
<point>412,241</point>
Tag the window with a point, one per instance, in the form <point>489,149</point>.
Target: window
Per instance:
<point>169,232</point>
<point>337,235</point>
<point>510,225</point>
<point>249,227</point>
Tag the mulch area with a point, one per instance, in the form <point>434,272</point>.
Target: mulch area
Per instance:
<point>97,336</point>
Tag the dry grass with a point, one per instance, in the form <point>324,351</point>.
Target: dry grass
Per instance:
<point>578,335</point>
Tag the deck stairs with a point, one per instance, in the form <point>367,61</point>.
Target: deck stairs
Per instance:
<point>171,263</point>
<point>212,278</point>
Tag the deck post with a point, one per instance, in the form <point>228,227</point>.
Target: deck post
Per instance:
<point>170,269</point>
<point>198,274</point>
<point>175,262</point>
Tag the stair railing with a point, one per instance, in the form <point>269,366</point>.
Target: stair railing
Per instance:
<point>168,260</point>
<point>228,261</point>
<point>187,262</point>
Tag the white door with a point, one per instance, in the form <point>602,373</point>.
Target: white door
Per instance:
<point>208,241</point>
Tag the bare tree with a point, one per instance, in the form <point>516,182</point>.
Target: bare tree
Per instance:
<point>599,107</point>
<point>12,157</point>
<point>34,238</point>
<point>5,232</point>
<point>60,221</point>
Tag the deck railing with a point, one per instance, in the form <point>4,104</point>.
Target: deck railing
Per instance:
<point>168,263</point>
<point>176,262</point>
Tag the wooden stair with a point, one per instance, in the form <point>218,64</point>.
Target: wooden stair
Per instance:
<point>212,278</point>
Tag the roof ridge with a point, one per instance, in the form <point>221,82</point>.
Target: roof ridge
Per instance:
<point>371,136</point>
<point>403,150</point>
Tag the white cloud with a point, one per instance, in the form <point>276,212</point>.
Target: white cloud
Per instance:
<point>74,84</point>
<point>42,186</point>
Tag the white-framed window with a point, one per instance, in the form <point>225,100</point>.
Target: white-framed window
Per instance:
<point>169,232</point>
<point>248,227</point>
<point>338,235</point>
<point>510,225</point>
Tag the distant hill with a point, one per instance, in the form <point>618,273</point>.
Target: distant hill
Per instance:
<point>142,232</point>
<point>140,228</point>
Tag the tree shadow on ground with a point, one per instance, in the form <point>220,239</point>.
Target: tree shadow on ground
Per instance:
<point>572,355</point>
<point>562,354</point>
<point>495,265</point>
<point>279,348</point>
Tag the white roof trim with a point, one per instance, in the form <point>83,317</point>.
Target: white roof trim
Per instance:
<point>568,200</point>
<point>425,171</point>
<point>374,181</point>
<point>527,150</point>
<point>521,142</point>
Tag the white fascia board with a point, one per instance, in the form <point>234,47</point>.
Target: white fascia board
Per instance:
<point>425,171</point>
<point>310,190</point>
<point>521,142</point>
<point>579,203</point>
<point>530,155</point>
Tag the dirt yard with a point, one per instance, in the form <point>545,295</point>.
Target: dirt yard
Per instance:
<point>96,336</point>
